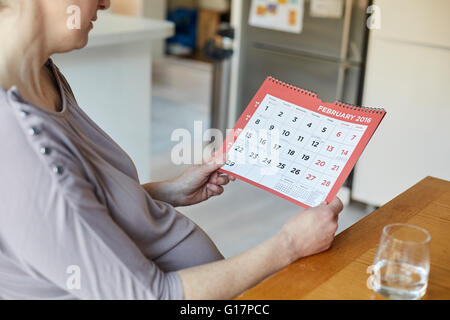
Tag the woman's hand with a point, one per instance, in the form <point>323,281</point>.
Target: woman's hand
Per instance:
<point>312,231</point>
<point>195,185</point>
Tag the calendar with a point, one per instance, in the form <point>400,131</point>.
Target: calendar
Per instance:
<point>292,144</point>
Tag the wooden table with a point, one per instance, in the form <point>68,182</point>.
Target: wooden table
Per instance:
<point>340,273</point>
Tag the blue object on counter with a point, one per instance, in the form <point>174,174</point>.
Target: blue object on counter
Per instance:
<point>186,27</point>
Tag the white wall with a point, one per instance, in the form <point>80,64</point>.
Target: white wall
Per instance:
<point>408,73</point>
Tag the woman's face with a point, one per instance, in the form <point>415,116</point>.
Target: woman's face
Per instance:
<point>67,23</point>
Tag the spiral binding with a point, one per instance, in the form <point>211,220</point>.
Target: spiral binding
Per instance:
<point>287,85</point>
<point>338,103</point>
<point>359,108</point>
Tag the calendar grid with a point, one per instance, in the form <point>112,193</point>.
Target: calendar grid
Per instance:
<point>313,149</point>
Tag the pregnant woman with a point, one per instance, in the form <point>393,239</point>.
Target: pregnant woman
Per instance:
<point>74,221</point>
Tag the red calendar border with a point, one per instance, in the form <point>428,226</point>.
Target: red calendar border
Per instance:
<point>311,102</point>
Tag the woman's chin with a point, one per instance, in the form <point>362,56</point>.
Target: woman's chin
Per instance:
<point>81,42</point>
<point>82,36</point>
<point>83,39</point>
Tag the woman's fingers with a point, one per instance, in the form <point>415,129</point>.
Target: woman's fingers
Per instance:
<point>215,190</point>
<point>336,206</point>
<point>221,180</point>
<point>214,177</point>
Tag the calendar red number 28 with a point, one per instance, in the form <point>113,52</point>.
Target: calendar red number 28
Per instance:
<point>326,183</point>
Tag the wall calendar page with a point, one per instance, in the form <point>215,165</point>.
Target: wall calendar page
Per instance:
<point>296,146</point>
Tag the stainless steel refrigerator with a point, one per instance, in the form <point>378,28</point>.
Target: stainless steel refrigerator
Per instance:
<point>327,57</point>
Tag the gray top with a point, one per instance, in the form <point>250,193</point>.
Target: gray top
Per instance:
<point>75,223</point>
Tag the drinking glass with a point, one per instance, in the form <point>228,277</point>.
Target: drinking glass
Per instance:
<point>402,263</point>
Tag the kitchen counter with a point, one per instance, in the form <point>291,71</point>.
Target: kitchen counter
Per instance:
<point>113,29</point>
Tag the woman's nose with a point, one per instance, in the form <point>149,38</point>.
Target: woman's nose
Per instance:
<point>104,4</point>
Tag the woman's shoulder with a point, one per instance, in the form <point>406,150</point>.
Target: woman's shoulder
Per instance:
<point>34,146</point>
